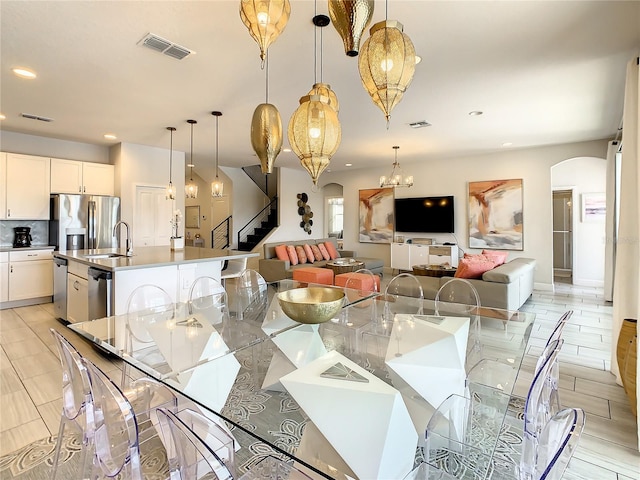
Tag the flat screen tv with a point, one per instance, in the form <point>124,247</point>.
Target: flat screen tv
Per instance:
<point>424,214</point>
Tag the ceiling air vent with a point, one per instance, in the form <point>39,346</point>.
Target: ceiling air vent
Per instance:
<point>30,116</point>
<point>162,45</point>
<point>420,124</point>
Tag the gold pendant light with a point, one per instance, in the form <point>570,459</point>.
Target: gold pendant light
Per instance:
<point>191,188</point>
<point>266,130</point>
<point>171,191</point>
<point>217,186</point>
<point>387,63</point>
<point>350,18</point>
<point>265,20</point>
<point>314,129</point>
<point>314,134</point>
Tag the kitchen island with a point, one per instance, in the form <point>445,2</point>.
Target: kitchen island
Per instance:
<point>99,282</point>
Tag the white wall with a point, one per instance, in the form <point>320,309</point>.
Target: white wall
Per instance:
<point>584,175</point>
<point>52,147</point>
<point>450,176</point>
<point>247,201</point>
<point>149,166</point>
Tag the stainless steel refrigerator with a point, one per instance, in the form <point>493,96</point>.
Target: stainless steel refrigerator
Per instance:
<point>79,222</point>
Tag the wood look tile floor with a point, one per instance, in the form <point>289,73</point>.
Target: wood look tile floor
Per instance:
<point>30,394</point>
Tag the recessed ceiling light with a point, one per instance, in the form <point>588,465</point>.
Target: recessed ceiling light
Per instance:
<point>2,116</point>
<point>420,124</point>
<point>24,73</point>
<point>110,136</point>
<point>507,144</point>
<point>418,59</point>
<point>475,113</point>
<point>348,164</point>
<point>286,150</point>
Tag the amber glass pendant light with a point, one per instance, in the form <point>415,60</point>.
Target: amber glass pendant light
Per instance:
<point>217,186</point>
<point>171,191</point>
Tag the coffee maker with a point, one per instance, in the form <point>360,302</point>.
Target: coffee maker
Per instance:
<point>22,237</point>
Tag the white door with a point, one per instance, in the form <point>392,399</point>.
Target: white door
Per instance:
<point>152,217</point>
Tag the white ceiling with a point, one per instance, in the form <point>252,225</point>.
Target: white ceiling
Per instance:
<point>542,72</point>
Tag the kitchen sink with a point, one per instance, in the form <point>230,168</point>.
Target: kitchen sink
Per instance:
<point>94,256</point>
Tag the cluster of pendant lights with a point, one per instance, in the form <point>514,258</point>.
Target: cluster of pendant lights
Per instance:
<point>191,188</point>
<point>386,65</point>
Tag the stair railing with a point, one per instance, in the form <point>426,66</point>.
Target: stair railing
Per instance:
<point>221,233</point>
<point>256,222</point>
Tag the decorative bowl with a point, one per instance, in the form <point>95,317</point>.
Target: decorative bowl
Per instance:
<point>311,305</point>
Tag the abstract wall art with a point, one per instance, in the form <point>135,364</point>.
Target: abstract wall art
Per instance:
<point>376,215</point>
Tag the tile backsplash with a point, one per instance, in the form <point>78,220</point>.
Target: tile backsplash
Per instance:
<point>39,231</point>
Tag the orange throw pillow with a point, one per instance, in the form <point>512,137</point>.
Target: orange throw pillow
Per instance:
<point>473,267</point>
<point>293,256</point>
<point>302,257</point>
<point>333,253</point>
<point>316,253</point>
<point>498,257</point>
<point>323,251</point>
<point>309,253</point>
<point>281,253</point>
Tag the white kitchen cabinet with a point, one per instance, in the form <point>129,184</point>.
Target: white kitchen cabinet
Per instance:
<point>30,274</point>
<point>77,298</point>
<point>3,183</point>
<point>71,176</point>
<point>4,276</point>
<point>27,187</point>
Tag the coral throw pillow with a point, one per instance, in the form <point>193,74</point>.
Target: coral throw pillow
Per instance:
<point>316,253</point>
<point>498,257</point>
<point>302,257</point>
<point>323,251</point>
<point>331,248</point>
<point>309,253</point>
<point>281,252</point>
<point>293,256</point>
<point>473,267</point>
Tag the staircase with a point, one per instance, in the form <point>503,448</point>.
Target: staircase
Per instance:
<point>258,227</point>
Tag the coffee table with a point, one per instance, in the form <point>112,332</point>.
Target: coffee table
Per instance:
<point>433,271</point>
<point>346,267</point>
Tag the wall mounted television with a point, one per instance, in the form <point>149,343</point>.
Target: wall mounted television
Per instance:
<point>424,214</point>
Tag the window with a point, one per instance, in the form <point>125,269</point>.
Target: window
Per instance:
<point>335,209</point>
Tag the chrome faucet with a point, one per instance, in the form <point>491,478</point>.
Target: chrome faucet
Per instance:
<point>128,241</point>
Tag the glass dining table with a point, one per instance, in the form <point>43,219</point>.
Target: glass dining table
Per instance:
<point>348,398</point>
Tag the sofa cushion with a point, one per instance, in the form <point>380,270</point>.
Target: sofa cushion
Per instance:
<point>293,256</point>
<point>331,248</point>
<point>324,252</point>
<point>309,253</point>
<point>316,253</point>
<point>473,267</point>
<point>497,256</point>
<point>508,272</point>
<point>281,253</point>
<point>302,257</point>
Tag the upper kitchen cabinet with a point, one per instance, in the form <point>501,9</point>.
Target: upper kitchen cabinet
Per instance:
<point>27,187</point>
<point>70,176</point>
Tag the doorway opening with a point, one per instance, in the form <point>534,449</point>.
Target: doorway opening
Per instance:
<point>563,236</point>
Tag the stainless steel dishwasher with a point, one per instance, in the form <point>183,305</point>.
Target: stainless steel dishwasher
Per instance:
<point>99,292</point>
<point>60,287</point>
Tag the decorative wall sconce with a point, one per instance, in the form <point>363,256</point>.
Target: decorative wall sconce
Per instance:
<point>304,210</point>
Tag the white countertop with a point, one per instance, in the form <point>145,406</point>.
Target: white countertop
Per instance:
<point>145,257</point>
<point>9,248</point>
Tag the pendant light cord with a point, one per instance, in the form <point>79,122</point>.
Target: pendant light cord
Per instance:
<point>191,155</point>
<point>315,44</point>
<point>266,74</point>
<point>216,147</point>
<point>171,157</point>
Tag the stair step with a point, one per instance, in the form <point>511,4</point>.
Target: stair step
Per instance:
<point>255,239</point>
<point>246,246</point>
<point>262,232</point>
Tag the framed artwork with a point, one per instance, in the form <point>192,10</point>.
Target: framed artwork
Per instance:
<point>495,214</point>
<point>376,215</point>
<point>594,207</point>
<point>192,216</point>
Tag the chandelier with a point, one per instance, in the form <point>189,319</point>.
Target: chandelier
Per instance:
<point>217,186</point>
<point>171,191</point>
<point>387,63</point>
<point>350,18</point>
<point>265,20</point>
<point>396,178</point>
<point>191,188</point>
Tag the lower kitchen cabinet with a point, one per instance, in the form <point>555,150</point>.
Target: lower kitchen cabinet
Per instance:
<point>30,274</point>
<point>4,277</point>
<point>77,298</point>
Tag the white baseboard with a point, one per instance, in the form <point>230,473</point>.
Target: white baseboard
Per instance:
<point>547,287</point>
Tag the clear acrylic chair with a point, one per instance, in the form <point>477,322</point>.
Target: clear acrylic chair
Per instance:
<point>235,267</point>
<point>208,298</point>
<point>147,305</point>
<point>358,292</point>
<point>554,376</point>
<point>251,296</point>
<point>537,409</point>
<point>273,468</point>
<point>557,442</point>
<point>458,296</point>
<point>76,401</point>
<point>403,294</point>
<point>424,471</point>
<point>196,446</point>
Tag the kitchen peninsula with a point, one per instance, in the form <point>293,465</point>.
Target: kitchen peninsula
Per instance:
<point>99,282</point>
